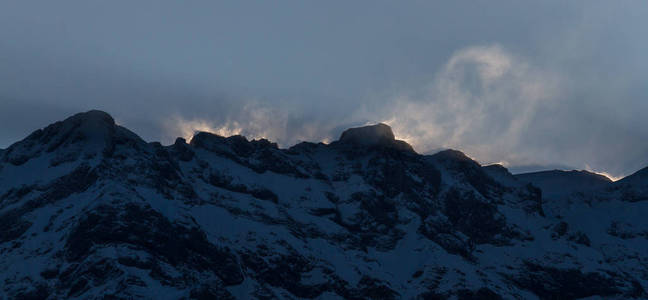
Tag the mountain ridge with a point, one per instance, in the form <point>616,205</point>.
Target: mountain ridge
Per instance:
<point>105,214</point>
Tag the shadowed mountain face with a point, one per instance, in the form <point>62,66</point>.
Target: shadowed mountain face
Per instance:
<point>558,184</point>
<point>88,210</point>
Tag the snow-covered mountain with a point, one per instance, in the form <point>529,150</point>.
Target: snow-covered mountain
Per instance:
<point>89,210</point>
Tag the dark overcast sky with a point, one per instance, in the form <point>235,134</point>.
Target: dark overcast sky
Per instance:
<point>549,83</point>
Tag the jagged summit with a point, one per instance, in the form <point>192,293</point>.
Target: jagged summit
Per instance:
<point>374,135</point>
<point>207,140</point>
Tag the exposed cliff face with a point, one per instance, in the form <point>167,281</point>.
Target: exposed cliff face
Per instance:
<point>89,210</point>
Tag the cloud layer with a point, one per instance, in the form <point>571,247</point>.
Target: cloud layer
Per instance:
<point>534,85</point>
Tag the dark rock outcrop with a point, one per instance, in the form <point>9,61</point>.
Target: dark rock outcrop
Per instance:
<point>379,135</point>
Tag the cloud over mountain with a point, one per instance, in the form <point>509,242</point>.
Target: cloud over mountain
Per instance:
<point>525,83</point>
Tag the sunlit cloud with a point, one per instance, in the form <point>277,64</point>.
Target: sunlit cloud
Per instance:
<point>254,121</point>
<point>494,105</point>
<point>482,101</point>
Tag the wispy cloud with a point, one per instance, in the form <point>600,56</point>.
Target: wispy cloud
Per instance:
<point>482,101</point>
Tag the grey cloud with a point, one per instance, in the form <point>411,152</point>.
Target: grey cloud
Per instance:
<point>545,83</point>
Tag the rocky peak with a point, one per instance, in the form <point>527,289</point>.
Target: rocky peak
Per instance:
<point>93,124</point>
<point>89,132</point>
<point>205,140</point>
<point>373,135</point>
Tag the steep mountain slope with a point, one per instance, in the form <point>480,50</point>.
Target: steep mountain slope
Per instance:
<point>89,210</point>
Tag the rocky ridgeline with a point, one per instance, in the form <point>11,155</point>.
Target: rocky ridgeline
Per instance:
<point>89,210</point>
